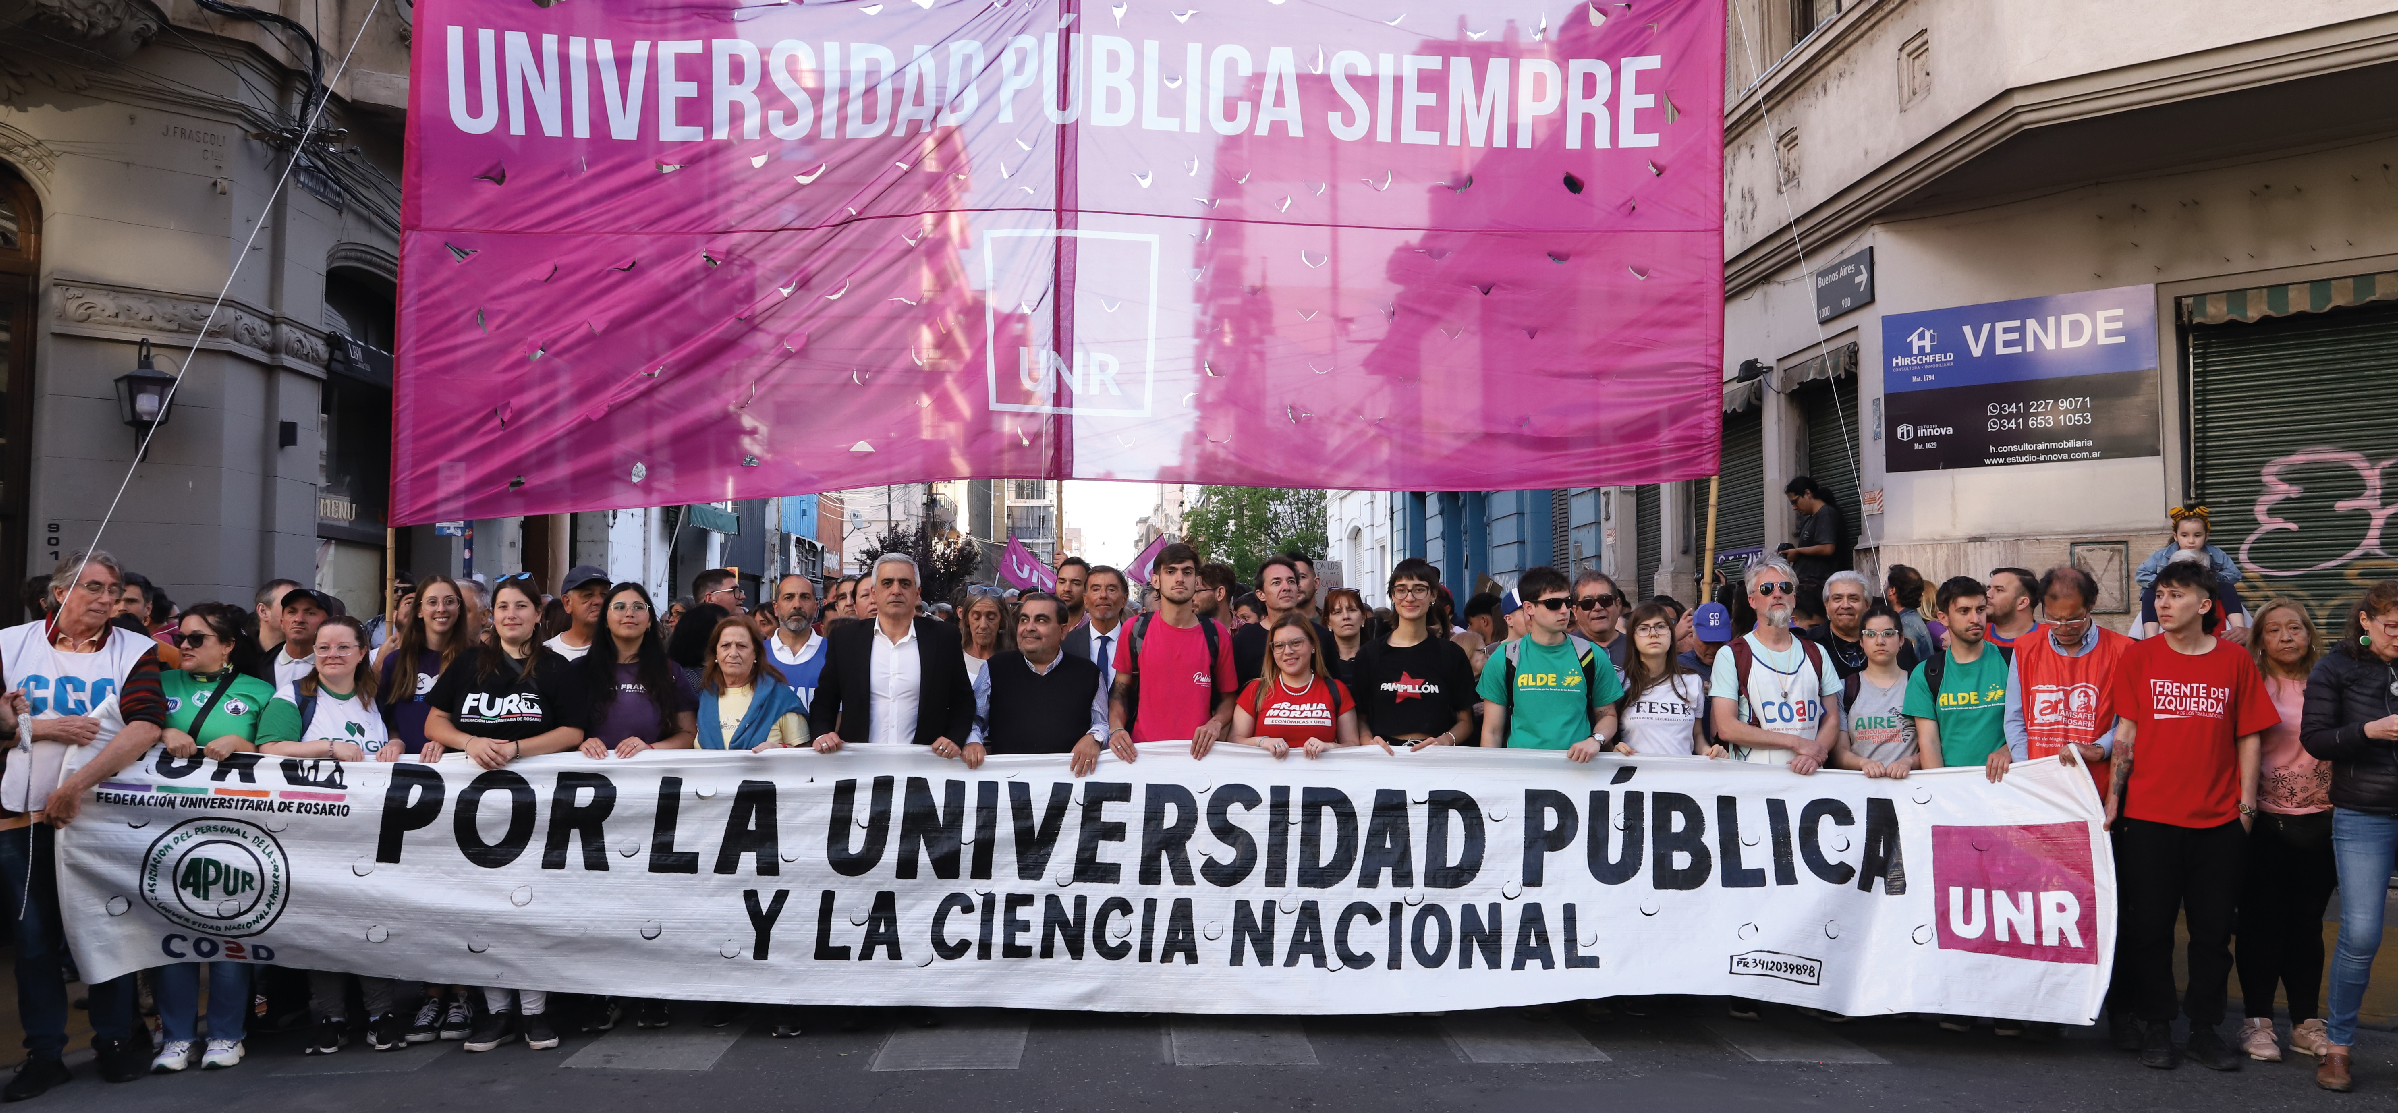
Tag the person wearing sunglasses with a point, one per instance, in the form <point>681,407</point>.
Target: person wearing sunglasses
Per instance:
<point>1773,695</point>
<point>1599,614</point>
<point>1550,689</point>
<point>210,697</point>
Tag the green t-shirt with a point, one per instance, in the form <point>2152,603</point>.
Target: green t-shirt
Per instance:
<point>1550,710</point>
<point>239,715</point>
<point>1972,714</point>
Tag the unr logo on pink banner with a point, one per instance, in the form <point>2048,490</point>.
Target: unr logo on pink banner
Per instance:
<point>2024,891</point>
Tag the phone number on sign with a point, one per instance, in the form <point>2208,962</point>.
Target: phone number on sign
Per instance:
<point>2041,413</point>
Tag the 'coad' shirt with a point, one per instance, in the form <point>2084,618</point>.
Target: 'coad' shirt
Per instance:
<point>2189,711</point>
<point>1416,689</point>
<point>509,705</point>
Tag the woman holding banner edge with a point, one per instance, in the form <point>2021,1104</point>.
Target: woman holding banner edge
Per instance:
<point>509,699</point>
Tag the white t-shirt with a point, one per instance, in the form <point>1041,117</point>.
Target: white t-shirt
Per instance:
<point>1787,698</point>
<point>1661,720</point>
<point>289,669</point>
<point>59,684</point>
<point>570,652</point>
<point>349,720</point>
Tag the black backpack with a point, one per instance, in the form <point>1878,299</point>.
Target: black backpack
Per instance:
<point>1140,634</point>
<point>1932,669</point>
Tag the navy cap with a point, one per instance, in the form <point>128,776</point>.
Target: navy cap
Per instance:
<point>300,595</point>
<point>583,574</point>
<point>1509,604</point>
<point>1712,623</point>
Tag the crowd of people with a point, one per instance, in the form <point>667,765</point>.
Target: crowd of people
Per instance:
<point>2246,768</point>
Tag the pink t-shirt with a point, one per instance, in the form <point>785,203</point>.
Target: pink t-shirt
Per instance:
<point>1178,692</point>
<point>2290,781</point>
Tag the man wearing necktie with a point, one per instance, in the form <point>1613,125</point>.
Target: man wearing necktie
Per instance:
<point>1095,640</point>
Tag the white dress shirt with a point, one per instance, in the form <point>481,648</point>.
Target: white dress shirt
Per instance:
<point>895,676</point>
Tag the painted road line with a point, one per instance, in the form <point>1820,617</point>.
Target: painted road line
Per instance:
<point>693,1048</point>
<point>1208,1041</point>
<point>1787,1042</point>
<point>1501,1036</point>
<point>982,1043</point>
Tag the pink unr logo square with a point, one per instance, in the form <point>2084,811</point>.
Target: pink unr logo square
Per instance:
<point>2024,890</point>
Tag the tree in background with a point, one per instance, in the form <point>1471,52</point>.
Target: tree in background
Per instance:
<point>952,564</point>
<point>1242,526</point>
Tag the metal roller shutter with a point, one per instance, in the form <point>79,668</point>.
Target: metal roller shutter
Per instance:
<point>1648,519</point>
<point>1740,502</point>
<point>2291,448</point>
<point>1831,412</point>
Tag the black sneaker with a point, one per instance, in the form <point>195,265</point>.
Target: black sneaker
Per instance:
<point>118,1061</point>
<point>2156,1045</point>
<point>2207,1049</point>
<point>428,1022</point>
<point>538,1034</point>
<point>601,1015</point>
<point>37,1076</point>
<point>652,1014</point>
<point>387,1032</point>
<point>2123,1030</point>
<point>723,1013</point>
<point>786,1023</point>
<point>458,1023</point>
<point>330,1035</point>
<point>492,1031</point>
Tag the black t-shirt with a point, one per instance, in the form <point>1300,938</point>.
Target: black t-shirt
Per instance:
<point>1249,650</point>
<point>508,705</point>
<point>1824,527</point>
<point>1418,689</point>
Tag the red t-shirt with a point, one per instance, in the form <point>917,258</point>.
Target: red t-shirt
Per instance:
<point>1177,691</point>
<point>1313,712</point>
<point>2189,712</point>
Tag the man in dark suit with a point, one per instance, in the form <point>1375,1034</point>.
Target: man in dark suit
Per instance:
<point>1102,627</point>
<point>898,679</point>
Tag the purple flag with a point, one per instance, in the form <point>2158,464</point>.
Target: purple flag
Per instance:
<point>1143,564</point>
<point>1021,569</point>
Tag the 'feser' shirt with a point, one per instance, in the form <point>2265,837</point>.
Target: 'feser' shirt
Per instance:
<point>508,705</point>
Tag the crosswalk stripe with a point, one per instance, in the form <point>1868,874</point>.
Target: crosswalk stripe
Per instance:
<point>685,1049</point>
<point>1771,1041</point>
<point>976,1044</point>
<point>1503,1037</point>
<point>1211,1041</point>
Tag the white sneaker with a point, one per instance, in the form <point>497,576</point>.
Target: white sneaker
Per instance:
<point>221,1054</point>
<point>176,1055</point>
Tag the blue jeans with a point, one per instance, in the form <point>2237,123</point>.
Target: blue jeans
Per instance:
<point>178,990</point>
<point>2363,845</point>
<point>28,872</point>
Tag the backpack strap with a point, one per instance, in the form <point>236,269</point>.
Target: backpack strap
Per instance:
<point>1207,630</point>
<point>1132,654</point>
<point>307,713</point>
<point>1744,660</point>
<point>201,718</point>
<point>1850,689</point>
<point>1512,645</point>
<point>1586,653</point>
<point>1933,668</point>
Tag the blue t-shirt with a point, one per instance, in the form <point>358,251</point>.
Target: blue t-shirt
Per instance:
<point>800,672</point>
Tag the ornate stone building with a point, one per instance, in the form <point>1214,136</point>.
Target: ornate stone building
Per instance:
<point>141,149</point>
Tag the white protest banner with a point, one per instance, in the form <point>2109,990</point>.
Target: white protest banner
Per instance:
<point>1361,882</point>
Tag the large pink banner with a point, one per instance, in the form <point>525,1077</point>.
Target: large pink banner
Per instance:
<point>683,252</point>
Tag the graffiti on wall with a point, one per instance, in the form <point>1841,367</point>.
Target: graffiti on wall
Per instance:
<point>2320,530</point>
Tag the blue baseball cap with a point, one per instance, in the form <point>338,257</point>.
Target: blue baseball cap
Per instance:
<point>1509,604</point>
<point>1712,623</point>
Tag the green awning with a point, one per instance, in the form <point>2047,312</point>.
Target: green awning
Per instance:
<point>713,518</point>
<point>2258,302</point>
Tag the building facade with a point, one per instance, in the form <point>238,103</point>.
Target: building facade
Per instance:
<point>1913,181</point>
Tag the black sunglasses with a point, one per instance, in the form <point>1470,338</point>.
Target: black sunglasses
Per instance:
<point>1777,587</point>
<point>1553,603</point>
<point>1594,602</point>
<point>192,641</point>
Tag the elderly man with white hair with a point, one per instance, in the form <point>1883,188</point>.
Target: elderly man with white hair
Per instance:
<point>1775,696</point>
<point>1845,597</point>
<point>900,678</point>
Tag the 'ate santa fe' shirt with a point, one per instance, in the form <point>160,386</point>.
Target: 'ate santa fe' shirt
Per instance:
<point>2189,711</point>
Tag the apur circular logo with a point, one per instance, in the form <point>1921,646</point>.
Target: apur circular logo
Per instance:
<point>225,877</point>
